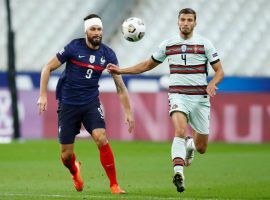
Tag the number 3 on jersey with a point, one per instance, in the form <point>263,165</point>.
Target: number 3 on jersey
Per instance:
<point>88,73</point>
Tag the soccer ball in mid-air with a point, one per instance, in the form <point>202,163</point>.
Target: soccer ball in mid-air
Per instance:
<point>133,29</point>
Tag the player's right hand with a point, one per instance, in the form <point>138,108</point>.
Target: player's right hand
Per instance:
<point>130,121</point>
<point>211,89</point>
<point>113,69</point>
<point>42,104</point>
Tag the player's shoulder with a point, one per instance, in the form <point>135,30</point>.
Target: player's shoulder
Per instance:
<point>201,39</point>
<point>170,41</point>
<point>106,49</point>
<point>77,42</point>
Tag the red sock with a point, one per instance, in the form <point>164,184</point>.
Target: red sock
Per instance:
<point>70,164</point>
<point>107,161</point>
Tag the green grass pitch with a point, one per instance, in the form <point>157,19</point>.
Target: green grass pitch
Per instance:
<point>32,170</point>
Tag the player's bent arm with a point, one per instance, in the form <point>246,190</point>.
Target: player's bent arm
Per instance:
<point>219,73</point>
<point>53,64</point>
<point>140,67</point>
<point>212,85</point>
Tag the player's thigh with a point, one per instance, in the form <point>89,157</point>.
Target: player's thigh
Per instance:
<point>93,117</point>
<point>179,121</point>
<point>179,113</point>
<point>69,123</point>
<point>199,117</point>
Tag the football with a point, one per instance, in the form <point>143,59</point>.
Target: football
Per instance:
<point>133,29</point>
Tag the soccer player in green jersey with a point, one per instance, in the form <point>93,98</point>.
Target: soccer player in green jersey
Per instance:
<point>189,92</point>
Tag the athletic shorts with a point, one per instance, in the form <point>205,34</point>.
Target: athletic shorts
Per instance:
<point>196,108</point>
<point>70,118</point>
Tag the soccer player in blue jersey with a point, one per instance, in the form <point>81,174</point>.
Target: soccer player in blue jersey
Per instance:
<point>188,56</point>
<point>78,97</point>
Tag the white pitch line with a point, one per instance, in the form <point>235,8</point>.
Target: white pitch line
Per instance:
<point>93,196</point>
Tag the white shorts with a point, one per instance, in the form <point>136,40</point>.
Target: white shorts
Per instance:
<point>196,108</point>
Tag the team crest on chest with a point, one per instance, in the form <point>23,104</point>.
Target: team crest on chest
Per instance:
<point>102,60</point>
<point>184,48</point>
<point>92,58</point>
<point>195,48</point>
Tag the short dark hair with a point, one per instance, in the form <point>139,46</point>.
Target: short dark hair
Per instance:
<point>91,16</point>
<point>187,11</point>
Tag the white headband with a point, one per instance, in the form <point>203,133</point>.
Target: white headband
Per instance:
<point>92,22</point>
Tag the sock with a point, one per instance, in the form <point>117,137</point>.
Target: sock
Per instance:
<point>178,154</point>
<point>70,164</point>
<point>190,144</point>
<point>107,161</point>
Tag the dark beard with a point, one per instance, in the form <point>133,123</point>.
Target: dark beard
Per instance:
<point>94,41</point>
<point>186,32</point>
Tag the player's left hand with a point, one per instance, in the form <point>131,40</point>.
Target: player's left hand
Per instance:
<point>130,121</point>
<point>211,89</point>
<point>42,104</point>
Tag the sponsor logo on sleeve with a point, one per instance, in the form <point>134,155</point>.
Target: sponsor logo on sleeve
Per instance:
<point>214,55</point>
<point>62,51</point>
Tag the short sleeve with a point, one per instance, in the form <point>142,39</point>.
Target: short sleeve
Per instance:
<point>160,54</point>
<point>112,58</point>
<point>64,54</point>
<point>211,52</point>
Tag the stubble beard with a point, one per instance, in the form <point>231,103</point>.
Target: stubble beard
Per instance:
<point>95,41</point>
<point>186,31</point>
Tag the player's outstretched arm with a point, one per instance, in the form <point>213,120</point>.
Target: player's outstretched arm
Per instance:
<point>136,69</point>
<point>53,64</point>
<point>124,99</point>
<point>219,74</point>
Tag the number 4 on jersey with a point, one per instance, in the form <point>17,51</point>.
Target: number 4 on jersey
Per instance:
<point>184,58</point>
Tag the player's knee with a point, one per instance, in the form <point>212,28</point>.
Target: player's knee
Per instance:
<point>66,155</point>
<point>101,142</point>
<point>100,138</point>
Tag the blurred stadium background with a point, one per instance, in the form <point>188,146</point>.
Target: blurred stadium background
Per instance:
<point>239,29</point>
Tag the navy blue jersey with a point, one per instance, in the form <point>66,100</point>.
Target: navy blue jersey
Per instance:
<point>78,84</point>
